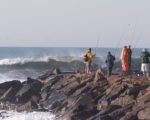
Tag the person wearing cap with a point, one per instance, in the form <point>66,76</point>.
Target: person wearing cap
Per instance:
<point>145,62</point>
<point>110,63</point>
<point>88,55</point>
<point>124,60</point>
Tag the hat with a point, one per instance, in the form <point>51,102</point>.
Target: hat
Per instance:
<point>144,50</point>
<point>90,49</point>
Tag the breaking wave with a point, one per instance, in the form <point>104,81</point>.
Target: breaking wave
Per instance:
<point>19,60</point>
<point>21,68</point>
<point>47,62</point>
<point>40,63</point>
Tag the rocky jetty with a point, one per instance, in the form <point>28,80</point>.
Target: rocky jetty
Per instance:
<point>77,96</point>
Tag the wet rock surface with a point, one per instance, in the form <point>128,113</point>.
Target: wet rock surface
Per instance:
<point>77,96</point>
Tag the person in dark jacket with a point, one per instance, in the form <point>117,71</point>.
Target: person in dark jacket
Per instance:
<point>110,63</point>
<point>145,62</point>
<point>129,58</point>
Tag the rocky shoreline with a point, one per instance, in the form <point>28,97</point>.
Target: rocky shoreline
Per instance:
<point>76,96</point>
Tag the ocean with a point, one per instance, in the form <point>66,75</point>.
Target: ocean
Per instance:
<point>18,63</point>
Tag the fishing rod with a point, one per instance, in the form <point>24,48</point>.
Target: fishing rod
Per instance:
<point>121,38</point>
<point>137,41</point>
<point>95,56</point>
<point>131,41</point>
<point>97,45</point>
<point>133,35</point>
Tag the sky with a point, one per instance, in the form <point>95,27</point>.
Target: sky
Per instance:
<point>74,23</point>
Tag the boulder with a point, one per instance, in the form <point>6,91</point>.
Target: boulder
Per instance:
<point>99,75</point>
<point>9,95</point>
<point>143,98</point>
<point>122,101</point>
<point>115,91</point>
<point>105,112</point>
<point>28,90</point>
<point>144,114</point>
<point>16,85</point>
<point>28,106</point>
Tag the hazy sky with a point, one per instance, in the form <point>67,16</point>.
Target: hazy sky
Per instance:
<point>74,23</point>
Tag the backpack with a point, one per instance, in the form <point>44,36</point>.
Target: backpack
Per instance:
<point>86,58</point>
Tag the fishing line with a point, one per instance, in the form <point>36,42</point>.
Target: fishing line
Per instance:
<point>121,37</point>
<point>137,41</point>
<point>133,34</point>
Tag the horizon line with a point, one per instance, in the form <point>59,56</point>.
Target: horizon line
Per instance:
<point>64,47</point>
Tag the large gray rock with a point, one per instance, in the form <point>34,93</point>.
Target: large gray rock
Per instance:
<point>29,90</point>
<point>16,85</point>
<point>9,95</point>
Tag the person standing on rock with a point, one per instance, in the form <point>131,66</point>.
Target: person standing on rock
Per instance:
<point>129,58</point>
<point>88,55</point>
<point>110,63</point>
<point>124,60</point>
<point>145,62</point>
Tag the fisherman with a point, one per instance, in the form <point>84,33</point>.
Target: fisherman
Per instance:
<point>129,58</point>
<point>88,55</point>
<point>145,62</point>
<point>124,60</point>
<point>110,63</point>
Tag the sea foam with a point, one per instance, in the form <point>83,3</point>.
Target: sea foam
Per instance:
<point>11,115</point>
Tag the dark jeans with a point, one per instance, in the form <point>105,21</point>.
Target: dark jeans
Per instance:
<point>109,70</point>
